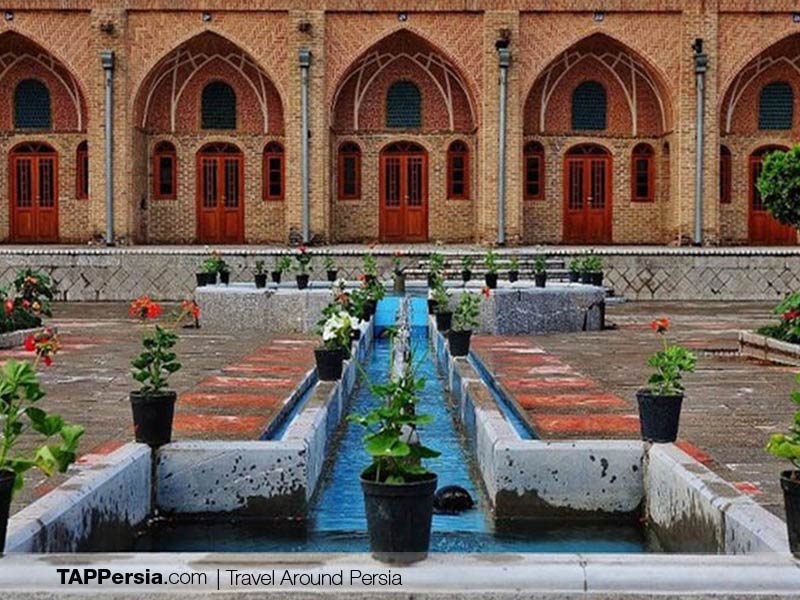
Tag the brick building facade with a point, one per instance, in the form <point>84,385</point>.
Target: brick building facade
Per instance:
<point>403,116</point>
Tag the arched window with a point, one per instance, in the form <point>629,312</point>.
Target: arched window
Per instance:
<point>458,171</point>
<point>273,171</point>
<point>32,105</point>
<point>82,171</point>
<point>218,106</point>
<point>642,174</point>
<point>589,106</point>
<point>165,171</point>
<point>776,106</point>
<point>349,171</point>
<point>403,106</point>
<point>725,174</point>
<point>533,157</point>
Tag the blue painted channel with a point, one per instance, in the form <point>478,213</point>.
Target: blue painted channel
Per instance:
<point>336,520</point>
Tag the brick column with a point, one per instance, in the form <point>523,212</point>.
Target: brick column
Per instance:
<point>486,212</point>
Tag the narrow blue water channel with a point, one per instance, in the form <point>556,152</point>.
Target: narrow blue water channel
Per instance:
<point>336,520</point>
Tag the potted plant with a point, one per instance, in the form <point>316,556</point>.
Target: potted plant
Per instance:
<point>260,275</point>
<point>209,269</point>
<point>490,262</point>
<point>467,262</point>
<point>25,309</point>
<point>592,270</point>
<point>336,332</point>
<point>660,403</point>
<point>303,258</point>
<point>399,272</point>
<point>375,292</point>
<point>444,316</point>
<point>465,319</point>
<point>21,415</point>
<point>282,264</point>
<point>153,404</point>
<point>787,446</point>
<point>540,270</point>
<point>398,489</point>
<point>513,269</point>
<point>224,271</point>
<point>574,269</point>
<point>330,268</point>
<point>435,268</point>
<point>370,267</point>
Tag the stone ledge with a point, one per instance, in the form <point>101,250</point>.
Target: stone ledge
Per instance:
<point>12,339</point>
<point>769,349</point>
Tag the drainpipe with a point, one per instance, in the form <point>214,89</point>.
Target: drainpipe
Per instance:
<point>504,56</point>
<point>700,68</point>
<point>107,60</point>
<point>305,62</point>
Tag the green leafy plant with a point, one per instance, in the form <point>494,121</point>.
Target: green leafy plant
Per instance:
<point>374,288</point>
<point>370,265</point>
<point>788,327</point>
<point>591,264</point>
<point>441,299</point>
<point>787,445</point>
<point>669,363</point>
<point>20,414</point>
<point>540,264</point>
<point>397,263</point>
<point>467,262</point>
<point>213,263</point>
<point>336,328</point>
<point>154,365</point>
<point>575,265</point>
<point>465,316</point>
<point>394,460</point>
<point>779,185</point>
<point>28,303</point>
<point>436,263</point>
<point>513,263</point>
<point>283,264</point>
<point>490,262</point>
<point>329,262</point>
<point>303,258</point>
<point>259,270</point>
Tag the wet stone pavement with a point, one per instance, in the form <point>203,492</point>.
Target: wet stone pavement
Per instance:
<point>570,385</point>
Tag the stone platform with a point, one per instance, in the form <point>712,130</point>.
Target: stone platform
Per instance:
<point>518,308</point>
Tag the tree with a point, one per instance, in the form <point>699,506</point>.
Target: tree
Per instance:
<point>779,185</point>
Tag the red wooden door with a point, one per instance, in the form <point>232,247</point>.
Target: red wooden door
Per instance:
<point>34,194</point>
<point>404,193</point>
<point>587,196</point>
<point>763,228</point>
<point>220,199</point>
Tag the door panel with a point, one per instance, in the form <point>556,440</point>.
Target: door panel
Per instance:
<point>34,197</point>
<point>220,217</point>
<point>393,228</point>
<point>764,229</point>
<point>587,200</point>
<point>404,197</point>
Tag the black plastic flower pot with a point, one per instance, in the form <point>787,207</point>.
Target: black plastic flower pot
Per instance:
<point>459,342</point>
<point>790,483</point>
<point>152,417</point>
<point>355,334</point>
<point>261,280</point>
<point>369,309</point>
<point>399,518</point>
<point>513,276</point>
<point>202,279</point>
<point>540,279</point>
<point>466,275</point>
<point>276,276</point>
<point>597,278</point>
<point>431,306</point>
<point>329,364</point>
<point>225,277</point>
<point>399,283</point>
<point>491,280</point>
<point>659,416</point>
<point>211,278</point>
<point>586,277</point>
<point>444,320</point>
<point>302,281</point>
<point>574,277</point>
<point>6,490</point>
<point>332,274</point>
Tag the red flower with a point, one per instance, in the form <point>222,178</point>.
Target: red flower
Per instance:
<point>30,343</point>
<point>660,325</point>
<point>9,306</point>
<point>47,360</point>
<point>190,306</point>
<point>791,315</point>
<point>26,304</point>
<point>398,254</point>
<point>486,291</point>
<point>143,308</point>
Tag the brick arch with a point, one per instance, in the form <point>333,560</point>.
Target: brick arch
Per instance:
<point>358,103</point>
<point>638,98</point>
<point>168,99</point>
<point>779,61</point>
<point>22,58</point>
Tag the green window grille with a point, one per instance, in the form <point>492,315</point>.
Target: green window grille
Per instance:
<point>218,106</point>
<point>776,106</point>
<point>589,107</point>
<point>32,105</point>
<point>403,106</point>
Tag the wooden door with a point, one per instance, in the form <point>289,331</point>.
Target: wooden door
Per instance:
<point>34,194</point>
<point>404,193</point>
<point>587,196</point>
<point>763,228</point>
<point>220,199</point>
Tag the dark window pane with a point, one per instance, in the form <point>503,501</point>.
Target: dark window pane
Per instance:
<point>404,106</point>
<point>32,105</point>
<point>642,178</point>
<point>589,106</point>
<point>165,173</point>
<point>532,176</point>
<point>349,176</point>
<point>218,106</point>
<point>776,106</point>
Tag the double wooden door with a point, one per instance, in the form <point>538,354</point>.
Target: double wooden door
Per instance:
<point>404,193</point>
<point>587,196</point>
<point>220,197</point>
<point>34,194</point>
